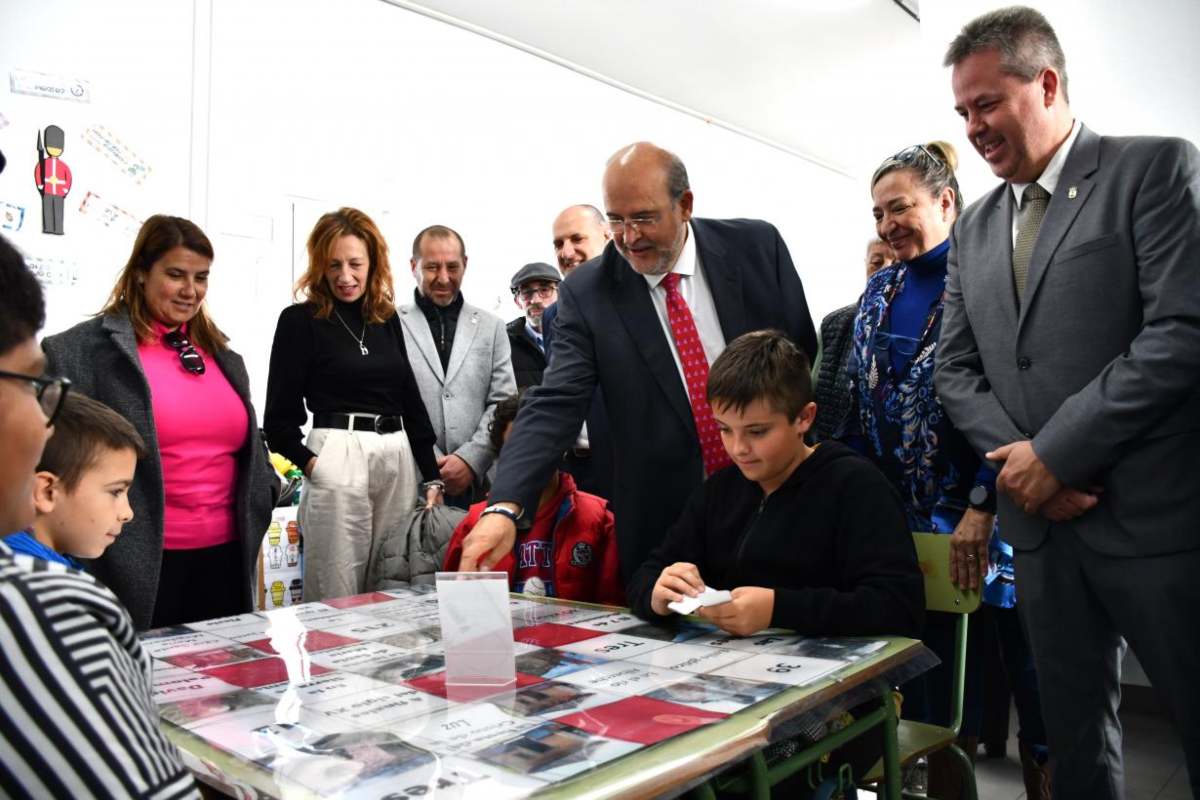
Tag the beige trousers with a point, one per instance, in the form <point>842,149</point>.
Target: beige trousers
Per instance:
<point>363,486</point>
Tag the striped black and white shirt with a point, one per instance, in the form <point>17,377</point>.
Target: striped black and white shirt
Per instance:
<point>76,717</point>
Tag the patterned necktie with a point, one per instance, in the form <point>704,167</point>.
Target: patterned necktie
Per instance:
<point>1029,219</point>
<point>695,373</point>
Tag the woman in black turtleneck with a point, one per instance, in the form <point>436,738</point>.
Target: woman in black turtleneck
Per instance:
<point>342,352</point>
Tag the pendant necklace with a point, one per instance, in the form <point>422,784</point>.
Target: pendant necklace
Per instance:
<point>361,347</point>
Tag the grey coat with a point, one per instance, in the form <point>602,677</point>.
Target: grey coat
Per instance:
<point>1099,363</point>
<point>101,359</point>
<point>461,400</point>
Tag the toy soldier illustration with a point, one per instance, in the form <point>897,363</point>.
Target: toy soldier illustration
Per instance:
<point>53,179</point>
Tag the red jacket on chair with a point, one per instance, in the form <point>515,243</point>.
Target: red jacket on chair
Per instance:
<point>586,565</point>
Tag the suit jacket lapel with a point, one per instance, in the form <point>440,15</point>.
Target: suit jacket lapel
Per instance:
<point>636,311</point>
<point>1062,211</point>
<point>464,337</point>
<point>724,281</point>
<point>121,330</point>
<point>418,328</point>
<point>997,272</point>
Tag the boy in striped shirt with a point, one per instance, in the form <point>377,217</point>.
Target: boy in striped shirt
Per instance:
<point>77,718</point>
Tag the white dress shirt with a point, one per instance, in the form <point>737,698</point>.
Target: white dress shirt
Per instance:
<point>695,290</point>
<point>1048,180</point>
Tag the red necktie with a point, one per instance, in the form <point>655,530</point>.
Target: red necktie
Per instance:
<point>695,374</point>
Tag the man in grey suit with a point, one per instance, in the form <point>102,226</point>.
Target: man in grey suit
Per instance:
<point>462,361</point>
<point>1070,355</point>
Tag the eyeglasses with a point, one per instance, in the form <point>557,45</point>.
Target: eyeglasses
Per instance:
<point>543,292</point>
<point>50,392</point>
<point>911,154</point>
<point>905,345</point>
<point>189,356</point>
<point>639,223</point>
<point>908,157</point>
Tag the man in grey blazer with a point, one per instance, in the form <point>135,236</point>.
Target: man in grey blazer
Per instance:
<point>1070,355</point>
<point>462,361</point>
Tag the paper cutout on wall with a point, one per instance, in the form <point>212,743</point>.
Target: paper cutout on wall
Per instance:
<point>58,87</point>
<point>53,271</point>
<point>110,215</point>
<point>12,216</point>
<point>107,144</point>
<point>52,177</point>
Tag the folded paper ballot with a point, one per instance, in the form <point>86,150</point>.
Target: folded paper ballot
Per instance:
<point>709,597</point>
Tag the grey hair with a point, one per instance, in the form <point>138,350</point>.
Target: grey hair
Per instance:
<point>932,164</point>
<point>677,177</point>
<point>1025,39</point>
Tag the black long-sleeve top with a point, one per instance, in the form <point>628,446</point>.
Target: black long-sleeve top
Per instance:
<point>318,362</point>
<point>832,542</point>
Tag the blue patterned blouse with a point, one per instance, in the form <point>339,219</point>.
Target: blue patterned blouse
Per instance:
<point>896,418</point>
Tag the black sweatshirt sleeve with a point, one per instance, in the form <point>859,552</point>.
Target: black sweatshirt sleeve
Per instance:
<point>421,437</point>
<point>880,590</point>
<point>683,542</point>
<point>284,414</point>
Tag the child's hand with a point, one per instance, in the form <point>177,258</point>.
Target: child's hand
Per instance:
<point>677,581</point>
<point>746,614</point>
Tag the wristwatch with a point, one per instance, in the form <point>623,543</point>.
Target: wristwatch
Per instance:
<point>982,498</point>
<point>502,511</point>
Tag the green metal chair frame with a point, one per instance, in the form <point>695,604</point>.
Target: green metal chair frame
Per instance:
<point>918,738</point>
<point>902,743</point>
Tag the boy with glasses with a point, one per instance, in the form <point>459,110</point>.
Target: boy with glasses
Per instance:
<point>77,719</point>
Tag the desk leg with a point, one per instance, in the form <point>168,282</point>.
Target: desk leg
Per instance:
<point>892,777</point>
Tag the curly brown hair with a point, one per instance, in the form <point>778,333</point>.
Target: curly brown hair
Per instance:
<point>379,300</point>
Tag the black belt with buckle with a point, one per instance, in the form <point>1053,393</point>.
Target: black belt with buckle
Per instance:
<point>359,422</point>
<point>580,452</point>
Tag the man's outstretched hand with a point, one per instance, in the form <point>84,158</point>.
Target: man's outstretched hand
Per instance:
<point>490,540</point>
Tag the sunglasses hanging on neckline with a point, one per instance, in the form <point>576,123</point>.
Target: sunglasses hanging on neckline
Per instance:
<point>189,356</point>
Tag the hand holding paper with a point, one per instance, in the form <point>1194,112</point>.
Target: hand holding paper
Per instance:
<point>676,582</point>
<point>746,614</point>
<point>708,597</point>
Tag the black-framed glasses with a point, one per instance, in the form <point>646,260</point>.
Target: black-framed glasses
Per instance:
<point>905,345</point>
<point>545,292</point>
<point>189,356</point>
<point>50,392</point>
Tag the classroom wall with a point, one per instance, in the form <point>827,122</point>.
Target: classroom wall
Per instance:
<point>283,110</point>
<point>128,146</point>
<point>254,118</point>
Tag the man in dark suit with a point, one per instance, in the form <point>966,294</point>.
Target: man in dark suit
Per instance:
<point>580,234</point>
<point>1069,354</point>
<point>643,322</point>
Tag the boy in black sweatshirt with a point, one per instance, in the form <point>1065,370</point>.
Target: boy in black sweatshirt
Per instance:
<point>808,538</point>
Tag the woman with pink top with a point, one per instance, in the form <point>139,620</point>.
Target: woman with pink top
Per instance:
<point>203,495</point>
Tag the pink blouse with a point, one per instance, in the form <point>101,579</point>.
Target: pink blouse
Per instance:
<point>202,424</point>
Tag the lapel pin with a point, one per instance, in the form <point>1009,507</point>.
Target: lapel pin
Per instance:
<point>1071,193</point>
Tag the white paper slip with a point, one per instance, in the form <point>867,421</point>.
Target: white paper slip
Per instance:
<point>709,597</point>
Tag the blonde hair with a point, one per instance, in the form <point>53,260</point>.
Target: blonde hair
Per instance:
<point>159,234</point>
<point>932,164</point>
<point>379,299</point>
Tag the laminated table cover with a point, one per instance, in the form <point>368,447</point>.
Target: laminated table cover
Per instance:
<point>347,698</point>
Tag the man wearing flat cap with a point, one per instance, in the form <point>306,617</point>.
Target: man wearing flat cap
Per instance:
<point>534,288</point>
